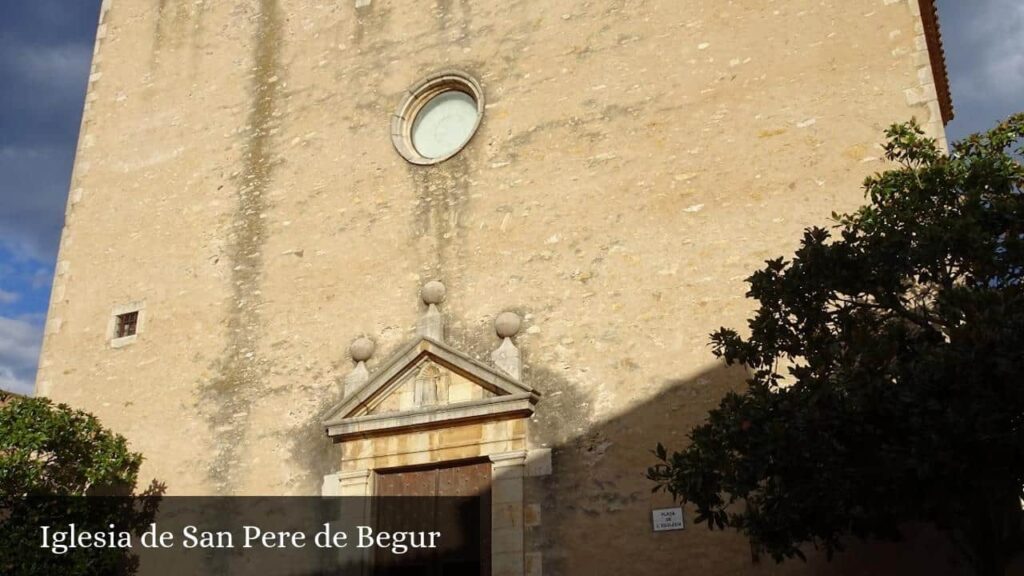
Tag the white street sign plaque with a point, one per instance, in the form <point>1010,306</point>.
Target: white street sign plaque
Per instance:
<point>667,519</point>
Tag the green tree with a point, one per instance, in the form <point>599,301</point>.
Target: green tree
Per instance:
<point>885,364</point>
<point>60,466</point>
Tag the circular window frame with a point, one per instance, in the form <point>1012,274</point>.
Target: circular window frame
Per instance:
<point>417,96</point>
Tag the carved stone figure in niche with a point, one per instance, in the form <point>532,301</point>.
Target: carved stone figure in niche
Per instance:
<point>431,386</point>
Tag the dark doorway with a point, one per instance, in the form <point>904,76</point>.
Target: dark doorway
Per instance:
<point>454,500</point>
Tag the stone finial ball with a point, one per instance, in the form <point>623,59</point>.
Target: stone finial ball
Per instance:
<point>507,324</point>
<point>361,349</point>
<point>432,292</point>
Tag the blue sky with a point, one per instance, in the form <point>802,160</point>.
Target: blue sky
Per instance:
<point>45,50</point>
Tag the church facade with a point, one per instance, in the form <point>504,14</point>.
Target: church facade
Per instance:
<point>436,247</point>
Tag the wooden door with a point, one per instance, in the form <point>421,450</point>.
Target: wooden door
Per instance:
<point>454,500</point>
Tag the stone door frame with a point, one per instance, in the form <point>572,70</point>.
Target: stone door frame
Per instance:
<point>508,469</point>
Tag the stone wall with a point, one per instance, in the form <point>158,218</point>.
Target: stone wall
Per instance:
<point>636,161</point>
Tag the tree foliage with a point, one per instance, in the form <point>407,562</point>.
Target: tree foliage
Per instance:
<point>60,466</point>
<point>885,366</point>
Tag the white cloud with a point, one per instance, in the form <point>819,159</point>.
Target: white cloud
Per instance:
<point>42,101</point>
<point>11,383</point>
<point>54,70</point>
<point>8,297</point>
<point>41,278</point>
<point>20,340</point>
<point>33,191</point>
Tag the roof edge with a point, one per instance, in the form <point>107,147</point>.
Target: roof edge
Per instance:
<point>937,56</point>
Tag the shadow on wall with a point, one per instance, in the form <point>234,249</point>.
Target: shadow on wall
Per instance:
<point>597,504</point>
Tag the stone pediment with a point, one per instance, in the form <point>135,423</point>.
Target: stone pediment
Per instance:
<point>428,384</point>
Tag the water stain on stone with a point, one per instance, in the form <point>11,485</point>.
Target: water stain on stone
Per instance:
<point>198,29</point>
<point>445,13</point>
<point>177,24</point>
<point>442,194</point>
<point>312,451</point>
<point>158,33</point>
<point>370,20</point>
<point>227,399</point>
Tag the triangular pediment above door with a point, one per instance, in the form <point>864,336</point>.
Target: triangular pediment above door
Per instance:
<point>428,384</point>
